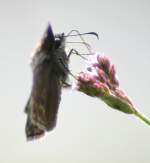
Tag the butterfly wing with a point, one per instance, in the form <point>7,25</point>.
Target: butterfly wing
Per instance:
<point>42,106</point>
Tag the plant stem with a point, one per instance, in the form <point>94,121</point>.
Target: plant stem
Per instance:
<point>142,117</point>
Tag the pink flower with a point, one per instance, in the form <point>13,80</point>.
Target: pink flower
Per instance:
<point>99,80</point>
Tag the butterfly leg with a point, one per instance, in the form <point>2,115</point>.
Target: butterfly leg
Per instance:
<point>73,51</point>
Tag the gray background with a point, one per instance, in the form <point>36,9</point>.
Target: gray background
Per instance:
<point>87,131</point>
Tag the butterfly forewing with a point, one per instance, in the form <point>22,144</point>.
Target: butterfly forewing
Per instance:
<point>48,76</point>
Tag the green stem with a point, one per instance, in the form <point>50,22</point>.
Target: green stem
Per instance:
<point>142,117</point>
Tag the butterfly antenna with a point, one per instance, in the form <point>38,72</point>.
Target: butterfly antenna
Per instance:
<point>80,35</point>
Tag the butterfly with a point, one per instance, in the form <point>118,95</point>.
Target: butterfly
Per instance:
<point>50,71</point>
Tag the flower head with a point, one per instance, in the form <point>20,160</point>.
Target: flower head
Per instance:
<point>99,80</point>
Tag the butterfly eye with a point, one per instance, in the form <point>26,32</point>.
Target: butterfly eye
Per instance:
<point>57,44</point>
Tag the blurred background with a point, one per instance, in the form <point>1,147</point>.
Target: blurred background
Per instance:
<point>87,130</point>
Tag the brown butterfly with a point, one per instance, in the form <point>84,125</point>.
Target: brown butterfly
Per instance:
<point>50,71</point>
